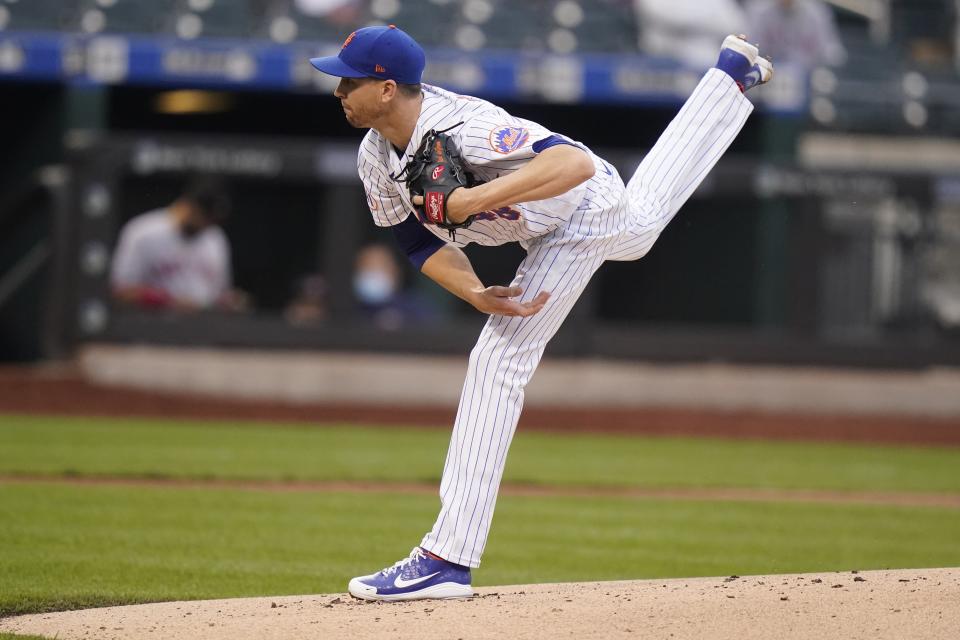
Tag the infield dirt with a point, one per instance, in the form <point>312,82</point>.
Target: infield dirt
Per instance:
<point>903,604</point>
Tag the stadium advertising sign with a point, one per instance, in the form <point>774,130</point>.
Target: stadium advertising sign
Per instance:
<point>259,65</point>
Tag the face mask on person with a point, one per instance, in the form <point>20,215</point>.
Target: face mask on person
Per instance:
<point>373,287</point>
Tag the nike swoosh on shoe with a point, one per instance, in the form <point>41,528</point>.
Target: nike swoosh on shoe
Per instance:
<point>400,583</point>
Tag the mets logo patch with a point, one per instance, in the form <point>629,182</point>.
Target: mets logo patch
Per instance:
<point>507,139</point>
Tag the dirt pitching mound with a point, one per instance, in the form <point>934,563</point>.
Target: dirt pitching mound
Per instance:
<point>921,603</point>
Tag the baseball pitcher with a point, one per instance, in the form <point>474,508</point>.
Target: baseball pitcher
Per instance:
<point>443,170</point>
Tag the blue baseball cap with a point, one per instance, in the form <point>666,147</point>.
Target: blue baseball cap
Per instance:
<point>387,53</point>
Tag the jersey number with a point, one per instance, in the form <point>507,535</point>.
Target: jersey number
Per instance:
<point>504,213</point>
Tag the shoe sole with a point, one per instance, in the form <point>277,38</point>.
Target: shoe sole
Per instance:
<point>741,46</point>
<point>442,591</point>
<point>766,69</point>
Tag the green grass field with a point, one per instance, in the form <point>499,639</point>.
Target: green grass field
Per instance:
<point>67,546</point>
<point>87,446</point>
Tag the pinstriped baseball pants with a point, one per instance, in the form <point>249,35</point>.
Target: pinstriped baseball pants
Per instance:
<point>562,262</point>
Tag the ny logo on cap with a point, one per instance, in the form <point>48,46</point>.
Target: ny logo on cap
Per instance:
<point>348,40</point>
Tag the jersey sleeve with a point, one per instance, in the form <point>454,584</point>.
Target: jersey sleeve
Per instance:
<point>127,268</point>
<point>383,196</point>
<point>223,262</point>
<point>495,143</point>
<point>418,243</point>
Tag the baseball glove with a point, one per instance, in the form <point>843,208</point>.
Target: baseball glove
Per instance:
<point>434,172</point>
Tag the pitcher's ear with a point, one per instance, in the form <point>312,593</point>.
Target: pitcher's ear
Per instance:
<point>389,90</point>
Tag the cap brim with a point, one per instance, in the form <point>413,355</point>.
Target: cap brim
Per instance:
<point>334,66</point>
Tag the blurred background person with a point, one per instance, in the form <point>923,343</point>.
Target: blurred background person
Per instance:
<point>688,30</point>
<point>309,305</point>
<point>379,293</point>
<point>339,12</point>
<point>178,257</point>
<point>802,32</point>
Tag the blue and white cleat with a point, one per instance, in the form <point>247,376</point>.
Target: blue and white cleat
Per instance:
<point>419,576</point>
<point>737,59</point>
<point>761,73</point>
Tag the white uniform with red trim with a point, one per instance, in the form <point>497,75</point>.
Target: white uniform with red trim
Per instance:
<point>567,238</point>
<point>152,252</point>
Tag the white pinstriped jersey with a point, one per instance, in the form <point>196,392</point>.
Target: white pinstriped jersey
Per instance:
<point>493,143</point>
<point>610,223</point>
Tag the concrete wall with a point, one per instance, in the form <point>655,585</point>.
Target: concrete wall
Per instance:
<point>423,381</point>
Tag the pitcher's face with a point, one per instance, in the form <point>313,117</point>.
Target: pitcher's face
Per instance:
<point>361,99</point>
